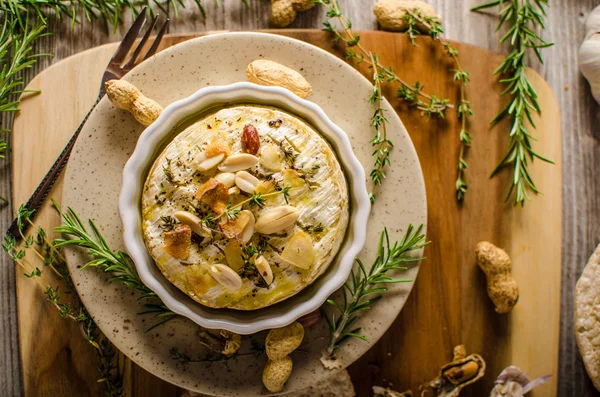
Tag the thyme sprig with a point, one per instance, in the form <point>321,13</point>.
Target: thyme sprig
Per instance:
<point>523,18</point>
<point>24,22</point>
<point>429,104</point>
<point>72,308</point>
<point>364,288</point>
<point>433,27</point>
<point>257,199</point>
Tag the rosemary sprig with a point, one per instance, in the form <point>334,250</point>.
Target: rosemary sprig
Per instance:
<point>433,27</point>
<point>364,288</point>
<point>523,18</point>
<point>430,105</point>
<point>24,22</point>
<point>117,263</point>
<point>73,309</point>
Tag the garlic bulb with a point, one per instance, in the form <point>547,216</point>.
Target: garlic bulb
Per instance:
<point>589,53</point>
<point>513,382</point>
<point>592,23</point>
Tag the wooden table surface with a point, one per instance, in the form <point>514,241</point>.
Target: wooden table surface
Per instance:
<point>581,219</point>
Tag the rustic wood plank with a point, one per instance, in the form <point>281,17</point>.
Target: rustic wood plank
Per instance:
<point>580,143</point>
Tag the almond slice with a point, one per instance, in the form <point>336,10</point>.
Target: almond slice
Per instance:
<point>195,223</point>
<point>248,231</point>
<point>276,219</point>
<point>226,276</point>
<point>226,178</point>
<point>238,162</point>
<point>263,267</point>
<point>178,242</point>
<point>299,251</point>
<point>246,182</point>
<point>204,163</point>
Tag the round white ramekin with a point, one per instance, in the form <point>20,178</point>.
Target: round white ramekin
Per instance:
<point>279,314</point>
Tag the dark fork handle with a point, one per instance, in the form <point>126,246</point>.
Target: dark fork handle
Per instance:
<point>41,192</point>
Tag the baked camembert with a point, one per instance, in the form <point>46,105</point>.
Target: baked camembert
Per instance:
<point>245,207</point>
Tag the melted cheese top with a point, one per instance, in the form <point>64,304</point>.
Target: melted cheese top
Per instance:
<point>317,189</point>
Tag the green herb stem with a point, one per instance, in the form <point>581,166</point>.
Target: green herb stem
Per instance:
<point>522,18</point>
<point>364,288</point>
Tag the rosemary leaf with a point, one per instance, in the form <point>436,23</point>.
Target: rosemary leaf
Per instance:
<point>358,291</point>
<point>523,18</point>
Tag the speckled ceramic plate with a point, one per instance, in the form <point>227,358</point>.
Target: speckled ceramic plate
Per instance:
<point>93,183</point>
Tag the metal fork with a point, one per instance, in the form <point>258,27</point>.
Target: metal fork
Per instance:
<point>117,68</point>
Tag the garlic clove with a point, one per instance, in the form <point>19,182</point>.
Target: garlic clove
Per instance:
<point>238,162</point>
<point>269,158</point>
<point>277,219</point>
<point>299,251</point>
<point>226,178</point>
<point>248,230</point>
<point>233,255</point>
<point>246,181</point>
<point>263,267</point>
<point>589,62</point>
<point>233,191</point>
<point>226,276</point>
<point>204,163</point>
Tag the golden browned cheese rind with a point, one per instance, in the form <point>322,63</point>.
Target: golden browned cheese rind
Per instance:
<point>281,342</point>
<point>587,321</point>
<point>178,242</point>
<point>265,72</point>
<point>214,194</point>
<point>501,286</point>
<point>390,14</point>
<point>276,373</point>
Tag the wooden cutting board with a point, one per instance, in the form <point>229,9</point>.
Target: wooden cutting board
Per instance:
<point>448,305</point>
